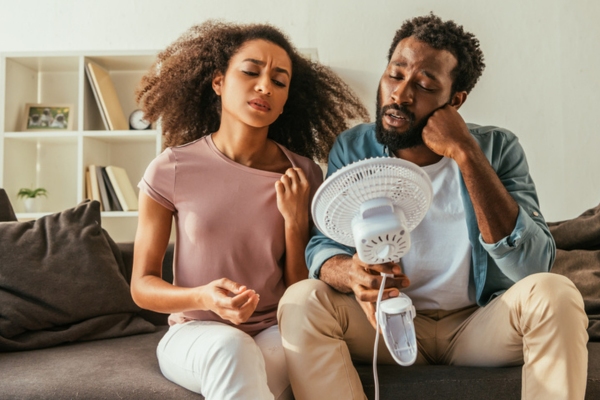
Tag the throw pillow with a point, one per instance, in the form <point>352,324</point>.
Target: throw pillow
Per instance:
<point>578,258</point>
<point>582,267</point>
<point>61,282</point>
<point>6,211</point>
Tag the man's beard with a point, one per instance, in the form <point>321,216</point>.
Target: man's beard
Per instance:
<point>393,139</point>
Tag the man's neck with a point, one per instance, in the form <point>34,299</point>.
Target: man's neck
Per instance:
<point>420,155</point>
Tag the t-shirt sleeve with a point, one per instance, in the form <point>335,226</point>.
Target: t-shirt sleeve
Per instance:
<point>158,181</point>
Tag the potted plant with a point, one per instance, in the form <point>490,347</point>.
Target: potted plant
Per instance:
<point>29,196</point>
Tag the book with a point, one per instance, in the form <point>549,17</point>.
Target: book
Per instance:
<point>94,184</point>
<point>88,185</point>
<point>103,191</point>
<point>123,188</point>
<point>106,97</point>
<point>115,205</point>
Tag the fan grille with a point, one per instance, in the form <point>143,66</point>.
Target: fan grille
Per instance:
<point>339,198</point>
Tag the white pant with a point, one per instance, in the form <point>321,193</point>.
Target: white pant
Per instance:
<point>221,362</point>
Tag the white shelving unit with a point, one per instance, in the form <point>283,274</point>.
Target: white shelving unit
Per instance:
<point>57,160</point>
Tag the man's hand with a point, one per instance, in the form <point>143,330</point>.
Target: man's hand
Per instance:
<point>446,133</point>
<point>365,281</point>
<point>229,300</point>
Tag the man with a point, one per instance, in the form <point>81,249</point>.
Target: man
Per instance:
<point>476,271</point>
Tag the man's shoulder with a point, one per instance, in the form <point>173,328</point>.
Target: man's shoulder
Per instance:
<point>359,132</point>
<point>359,142</point>
<point>497,143</point>
<point>486,133</point>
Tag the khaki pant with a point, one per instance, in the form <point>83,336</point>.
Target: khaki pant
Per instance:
<point>539,323</point>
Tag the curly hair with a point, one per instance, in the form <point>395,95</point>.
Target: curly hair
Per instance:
<point>178,90</point>
<point>448,36</point>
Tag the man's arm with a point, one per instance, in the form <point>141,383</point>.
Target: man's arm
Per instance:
<point>496,211</point>
<point>350,275</point>
<point>504,200</point>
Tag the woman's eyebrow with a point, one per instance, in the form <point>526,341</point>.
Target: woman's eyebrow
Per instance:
<point>262,64</point>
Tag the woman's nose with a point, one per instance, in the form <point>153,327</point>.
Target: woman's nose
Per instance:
<point>264,85</point>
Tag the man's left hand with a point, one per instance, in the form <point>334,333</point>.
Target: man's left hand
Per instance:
<point>446,133</point>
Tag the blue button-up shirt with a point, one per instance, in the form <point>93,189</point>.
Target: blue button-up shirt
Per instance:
<point>495,267</point>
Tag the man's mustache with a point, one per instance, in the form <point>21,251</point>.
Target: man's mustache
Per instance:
<point>401,109</point>
<point>409,115</point>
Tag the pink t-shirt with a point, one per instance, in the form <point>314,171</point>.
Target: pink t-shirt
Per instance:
<point>227,223</point>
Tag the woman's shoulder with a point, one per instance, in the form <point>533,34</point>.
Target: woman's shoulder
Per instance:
<point>309,166</point>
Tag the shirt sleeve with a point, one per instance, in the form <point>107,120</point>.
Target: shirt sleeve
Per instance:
<point>158,181</point>
<point>530,247</point>
<point>320,248</point>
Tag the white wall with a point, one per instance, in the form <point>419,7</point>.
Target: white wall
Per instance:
<point>542,58</point>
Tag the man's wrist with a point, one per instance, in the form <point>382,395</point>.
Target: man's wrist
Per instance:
<point>334,272</point>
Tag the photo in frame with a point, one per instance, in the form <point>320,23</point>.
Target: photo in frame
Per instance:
<point>48,117</point>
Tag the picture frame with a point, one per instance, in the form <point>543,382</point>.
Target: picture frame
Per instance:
<point>44,117</point>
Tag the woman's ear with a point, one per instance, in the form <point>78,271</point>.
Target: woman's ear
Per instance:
<point>217,82</point>
<point>458,99</point>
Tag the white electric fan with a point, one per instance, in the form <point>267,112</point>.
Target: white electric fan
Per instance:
<point>373,205</point>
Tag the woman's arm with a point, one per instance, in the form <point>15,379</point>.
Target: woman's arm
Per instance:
<point>151,292</point>
<point>293,192</point>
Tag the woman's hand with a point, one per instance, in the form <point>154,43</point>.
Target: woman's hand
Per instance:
<point>293,191</point>
<point>229,300</point>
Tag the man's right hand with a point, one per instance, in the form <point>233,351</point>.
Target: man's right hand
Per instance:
<point>351,274</point>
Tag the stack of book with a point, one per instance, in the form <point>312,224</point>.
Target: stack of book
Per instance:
<point>111,186</point>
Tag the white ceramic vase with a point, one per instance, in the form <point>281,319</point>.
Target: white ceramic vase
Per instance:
<point>30,204</point>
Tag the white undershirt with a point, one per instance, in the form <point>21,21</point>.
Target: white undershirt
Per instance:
<point>438,263</point>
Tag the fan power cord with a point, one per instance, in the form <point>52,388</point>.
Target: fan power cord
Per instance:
<point>379,296</point>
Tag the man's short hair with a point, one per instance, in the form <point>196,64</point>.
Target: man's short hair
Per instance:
<point>441,35</point>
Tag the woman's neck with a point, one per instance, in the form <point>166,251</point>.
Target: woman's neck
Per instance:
<point>249,146</point>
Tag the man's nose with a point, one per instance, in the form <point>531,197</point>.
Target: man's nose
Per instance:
<point>403,93</point>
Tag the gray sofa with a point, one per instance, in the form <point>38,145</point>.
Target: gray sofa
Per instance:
<point>126,368</point>
<point>69,328</point>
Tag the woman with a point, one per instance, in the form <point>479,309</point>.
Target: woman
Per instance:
<point>243,114</point>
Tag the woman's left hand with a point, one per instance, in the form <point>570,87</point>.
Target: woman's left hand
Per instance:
<point>293,191</point>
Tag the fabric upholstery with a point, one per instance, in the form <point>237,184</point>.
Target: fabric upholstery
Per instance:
<point>6,211</point>
<point>60,281</point>
<point>578,258</point>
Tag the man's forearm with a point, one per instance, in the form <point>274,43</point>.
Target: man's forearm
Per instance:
<point>495,209</point>
<point>334,272</point>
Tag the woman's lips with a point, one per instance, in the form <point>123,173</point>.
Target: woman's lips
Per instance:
<point>260,105</point>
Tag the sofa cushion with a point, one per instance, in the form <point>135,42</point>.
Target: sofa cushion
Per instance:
<point>578,258</point>
<point>449,382</point>
<point>6,211</point>
<point>122,368</point>
<point>60,282</point>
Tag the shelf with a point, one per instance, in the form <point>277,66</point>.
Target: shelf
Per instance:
<point>123,136</point>
<point>119,214</point>
<point>43,137</point>
<point>42,64</point>
<point>57,160</point>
